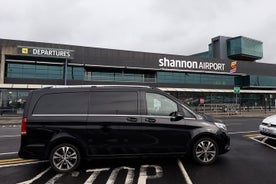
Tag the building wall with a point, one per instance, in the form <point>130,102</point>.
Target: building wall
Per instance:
<point>189,77</point>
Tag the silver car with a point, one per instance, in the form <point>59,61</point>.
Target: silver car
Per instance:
<point>268,127</point>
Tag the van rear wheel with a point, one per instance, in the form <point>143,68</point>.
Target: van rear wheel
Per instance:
<point>205,151</point>
<point>64,158</point>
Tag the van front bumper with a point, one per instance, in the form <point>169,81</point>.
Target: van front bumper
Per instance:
<point>224,142</point>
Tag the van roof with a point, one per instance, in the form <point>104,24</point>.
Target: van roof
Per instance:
<point>97,86</point>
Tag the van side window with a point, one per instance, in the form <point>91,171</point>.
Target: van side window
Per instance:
<point>62,103</point>
<point>187,113</point>
<point>114,103</point>
<point>160,105</point>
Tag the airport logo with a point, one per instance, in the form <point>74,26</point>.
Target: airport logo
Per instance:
<point>25,50</point>
<point>233,66</point>
<point>193,65</point>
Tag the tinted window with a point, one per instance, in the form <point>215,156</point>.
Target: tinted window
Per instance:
<point>160,105</point>
<point>63,103</point>
<point>187,113</point>
<point>114,103</point>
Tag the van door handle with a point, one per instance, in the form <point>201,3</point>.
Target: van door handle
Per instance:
<point>132,119</point>
<point>150,120</point>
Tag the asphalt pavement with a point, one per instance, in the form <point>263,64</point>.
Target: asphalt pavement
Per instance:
<point>251,160</point>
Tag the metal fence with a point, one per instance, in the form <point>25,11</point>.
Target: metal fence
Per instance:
<point>232,109</point>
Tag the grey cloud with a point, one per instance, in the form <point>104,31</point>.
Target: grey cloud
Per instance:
<point>176,27</point>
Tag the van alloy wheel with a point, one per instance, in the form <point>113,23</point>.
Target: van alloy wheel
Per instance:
<point>64,158</point>
<point>205,151</point>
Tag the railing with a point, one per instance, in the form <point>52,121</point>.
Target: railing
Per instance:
<point>232,109</point>
<point>218,108</point>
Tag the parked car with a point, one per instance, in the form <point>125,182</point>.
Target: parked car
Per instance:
<point>268,127</point>
<point>68,124</point>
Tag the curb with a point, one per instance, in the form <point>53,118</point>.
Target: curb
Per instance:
<point>243,115</point>
<point>10,120</point>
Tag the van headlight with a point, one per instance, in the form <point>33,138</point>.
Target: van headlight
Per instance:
<point>221,125</point>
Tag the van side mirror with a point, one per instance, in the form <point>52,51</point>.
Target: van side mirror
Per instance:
<point>176,116</point>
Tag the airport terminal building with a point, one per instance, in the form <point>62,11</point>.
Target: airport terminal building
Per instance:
<point>205,78</point>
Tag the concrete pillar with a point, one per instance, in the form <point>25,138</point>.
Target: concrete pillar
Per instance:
<point>219,45</point>
<point>5,51</point>
<point>2,66</point>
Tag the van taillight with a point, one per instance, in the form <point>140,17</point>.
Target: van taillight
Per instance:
<point>24,126</point>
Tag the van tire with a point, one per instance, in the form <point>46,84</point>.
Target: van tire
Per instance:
<point>205,151</point>
<point>64,158</point>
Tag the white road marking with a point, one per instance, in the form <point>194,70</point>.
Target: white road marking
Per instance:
<point>94,175</point>
<point>143,173</point>
<point>262,142</point>
<point>264,139</point>
<point>245,132</point>
<point>54,179</point>
<point>8,153</point>
<point>9,126</point>
<point>75,174</point>
<point>35,178</point>
<point>143,176</point>
<point>9,136</point>
<point>184,172</point>
<point>115,172</point>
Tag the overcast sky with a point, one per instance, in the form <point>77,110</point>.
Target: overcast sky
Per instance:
<point>161,26</point>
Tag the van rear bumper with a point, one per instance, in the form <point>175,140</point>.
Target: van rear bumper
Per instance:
<point>33,151</point>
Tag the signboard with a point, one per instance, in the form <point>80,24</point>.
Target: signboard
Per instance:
<point>45,52</point>
<point>237,90</point>
<point>191,65</point>
<point>194,65</point>
<point>233,66</point>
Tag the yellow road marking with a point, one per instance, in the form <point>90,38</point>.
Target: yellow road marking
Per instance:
<point>15,161</point>
<point>253,135</point>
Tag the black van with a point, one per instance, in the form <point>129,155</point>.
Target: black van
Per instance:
<point>67,124</point>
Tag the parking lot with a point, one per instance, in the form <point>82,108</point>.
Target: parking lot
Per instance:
<point>251,160</point>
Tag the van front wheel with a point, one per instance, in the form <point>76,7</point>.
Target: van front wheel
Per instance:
<point>205,151</point>
<point>64,158</point>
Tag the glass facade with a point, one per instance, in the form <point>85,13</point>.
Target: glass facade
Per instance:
<point>75,73</point>
<point>37,71</point>
<point>12,101</point>
<point>262,80</point>
<point>234,47</point>
<point>119,75</point>
<point>194,78</point>
<point>202,55</point>
<point>255,80</point>
<point>159,77</point>
<point>43,71</point>
<point>207,54</point>
<point>245,101</point>
<point>241,47</point>
<point>34,71</point>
